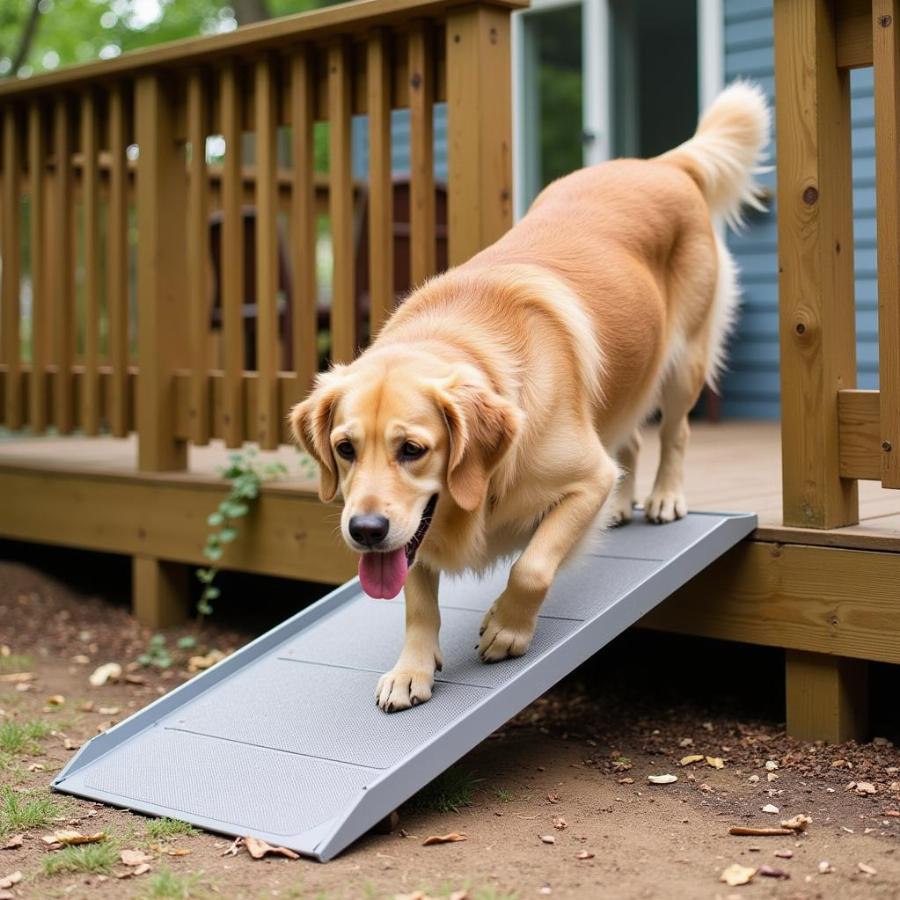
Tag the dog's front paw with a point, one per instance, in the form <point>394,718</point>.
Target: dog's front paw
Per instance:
<point>503,636</point>
<point>402,688</point>
<point>620,512</point>
<point>665,506</point>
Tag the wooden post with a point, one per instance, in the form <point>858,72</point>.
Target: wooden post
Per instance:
<point>159,592</point>
<point>815,250</point>
<point>160,587</point>
<point>827,697</point>
<point>479,129</point>
<point>161,282</point>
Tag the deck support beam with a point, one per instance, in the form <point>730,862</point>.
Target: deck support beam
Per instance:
<point>160,592</point>
<point>826,697</point>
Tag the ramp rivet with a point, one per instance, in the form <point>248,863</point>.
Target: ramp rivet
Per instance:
<point>886,446</point>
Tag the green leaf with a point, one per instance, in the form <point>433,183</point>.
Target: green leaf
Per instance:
<point>188,642</point>
<point>227,535</point>
<point>216,519</point>
<point>204,608</point>
<point>145,659</point>
<point>213,553</point>
<point>205,575</point>
<point>158,640</point>
<point>212,593</point>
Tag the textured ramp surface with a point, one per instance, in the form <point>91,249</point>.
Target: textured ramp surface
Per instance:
<point>283,739</point>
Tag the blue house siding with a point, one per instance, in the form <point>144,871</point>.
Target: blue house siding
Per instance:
<point>400,143</point>
<point>751,386</point>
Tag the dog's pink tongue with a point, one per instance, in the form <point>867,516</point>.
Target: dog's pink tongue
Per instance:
<point>383,574</point>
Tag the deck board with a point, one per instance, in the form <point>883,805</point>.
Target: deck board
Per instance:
<point>732,466</point>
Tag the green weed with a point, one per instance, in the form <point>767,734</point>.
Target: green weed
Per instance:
<point>168,829</point>
<point>100,857</point>
<point>448,792</point>
<point>167,885</point>
<point>22,737</point>
<point>19,812</point>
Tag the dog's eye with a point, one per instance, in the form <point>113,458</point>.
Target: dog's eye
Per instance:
<point>345,450</point>
<point>409,451</point>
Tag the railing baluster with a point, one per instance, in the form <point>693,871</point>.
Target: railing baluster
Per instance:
<point>90,196</point>
<point>62,294</point>
<point>231,277</point>
<point>119,409</point>
<point>12,267</point>
<point>268,420</point>
<point>198,258</point>
<point>343,295</point>
<point>303,221</point>
<point>381,194</point>
<point>36,174</point>
<point>421,115</point>
<point>886,50</point>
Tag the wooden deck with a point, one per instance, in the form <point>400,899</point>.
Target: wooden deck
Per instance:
<point>732,466</point>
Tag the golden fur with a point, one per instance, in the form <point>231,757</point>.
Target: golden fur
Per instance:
<point>525,374</point>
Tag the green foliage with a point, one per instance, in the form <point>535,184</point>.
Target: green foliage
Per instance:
<point>168,829</point>
<point>246,474</point>
<point>504,796</point>
<point>22,737</point>
<point>167,885</point>
<point>99,857</point>
<point>15,662</point>
<point>21,811</point>
<point>448,792</point>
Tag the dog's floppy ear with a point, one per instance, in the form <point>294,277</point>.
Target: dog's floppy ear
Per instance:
<point>311,424</point>
<point>482,427</point>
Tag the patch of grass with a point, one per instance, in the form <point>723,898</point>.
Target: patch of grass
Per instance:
<point>16,662</point>
<point>167,885</point>
<point>503,795</point>
<point>168,829</point>
<point>447,793</point>
<point>491,893</point>
<point>22,737</point>
<point>100,857</point>
<point>19,812</point>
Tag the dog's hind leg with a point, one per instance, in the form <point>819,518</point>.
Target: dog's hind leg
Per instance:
<point>410,681</point>
<point>624,497</point>
<point>509,625</point>
<point>680,392</point>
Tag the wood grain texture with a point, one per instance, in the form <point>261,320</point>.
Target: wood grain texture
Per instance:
<point>62,287</point>
<point>343,293</point>
<point>198,288</point>
<point>381,189</point>
<point>118,250</point>
<point>859,417</point>
<point>816,599</point>
<point>815,234</point>
<point>827,697</point>
<point>268,416</point>
<point>10,287</point>
<point>853,39</point>
<point>231,275</point>
<point>37,173</point>
<point>421,153</point>
<point>303,219</point>
<point>479,129</point>
<point>90,206</point>
<point>161,276</point>
<point>160,592</point>
<point>886,44</point>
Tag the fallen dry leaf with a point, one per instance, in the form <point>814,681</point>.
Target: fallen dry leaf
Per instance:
<point>66,837</point>
<point>690,760</point>
<point>784,854</point>
<point>662,779</point>
<point>584,854</point>
<point>87,706</point>
<point>866,869</point>
<point>750,831</point>
<point>141,869</point>
<point>893,813</point>
<point>258,848</point>
<point>737,874</point>
<point>560,824</point>
<point>773,872</point>
<point>199,663</point>
<point>56,700</point>
<point>548,839</point>
<point>7,895</point>
<point>16,677</point>
<point>107,672</point>
<point>10,880</point>
<point>771,808</point>
<point>797,823</point>
<point>69,744</point>
<point>109,710</point>
<point>36,767</point>
<point>14,842</point>
<point>233,847</point>
<point>134,857</point>
<point>176,851</point>
<point>450,838</point>
<point>131,678</point>
<point>771,765</point>
<point>716,762</point>
<point>864,788</point>
<point>23,686</point>
<point>553,797</point>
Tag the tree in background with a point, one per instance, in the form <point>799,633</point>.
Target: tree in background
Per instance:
<point>42,35</point>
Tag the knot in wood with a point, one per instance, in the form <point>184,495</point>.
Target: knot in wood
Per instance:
<point>884,21</point>
<point>810,196</point>
<point>416,80</point>
<point>886,446</point>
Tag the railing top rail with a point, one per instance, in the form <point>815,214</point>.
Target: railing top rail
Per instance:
<point>343,19</point>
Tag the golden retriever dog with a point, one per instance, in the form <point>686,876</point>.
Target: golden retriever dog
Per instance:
<point>498,406</point>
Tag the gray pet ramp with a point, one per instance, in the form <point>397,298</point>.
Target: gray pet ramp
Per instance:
<point>283,740</point>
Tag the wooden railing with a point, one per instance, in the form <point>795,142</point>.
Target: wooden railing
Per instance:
<point>108,160</point>
<point>833,434</point>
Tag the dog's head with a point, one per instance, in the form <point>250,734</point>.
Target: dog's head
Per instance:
<point>399,433</point>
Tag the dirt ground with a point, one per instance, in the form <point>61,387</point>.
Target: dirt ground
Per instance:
<point>557,803</point>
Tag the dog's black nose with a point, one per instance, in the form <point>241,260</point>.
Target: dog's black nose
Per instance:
<point>369,530</point>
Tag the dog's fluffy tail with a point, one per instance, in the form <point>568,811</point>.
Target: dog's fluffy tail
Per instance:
<point>726,151</point>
